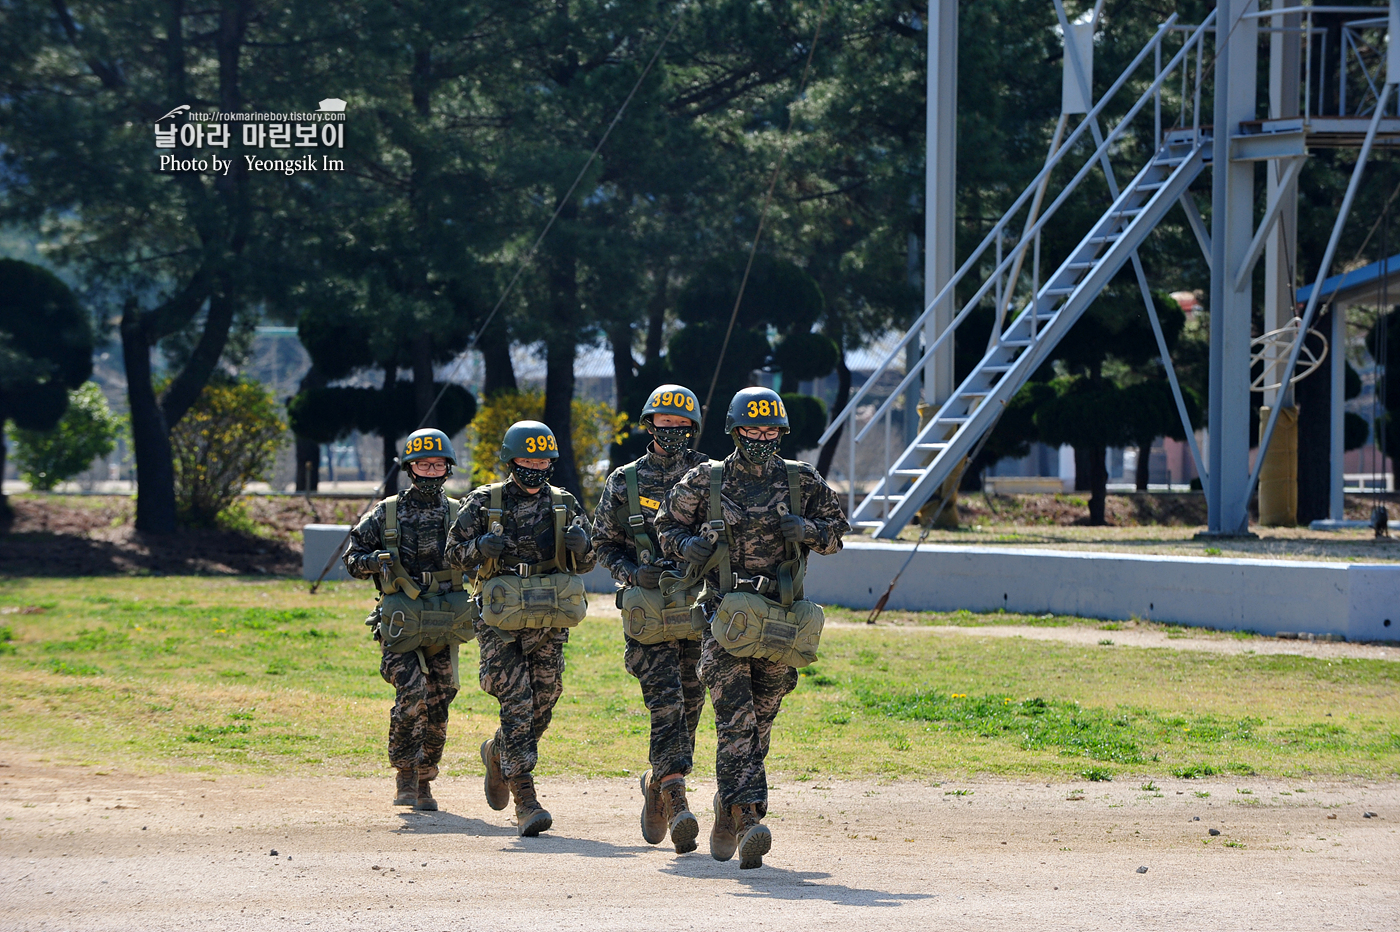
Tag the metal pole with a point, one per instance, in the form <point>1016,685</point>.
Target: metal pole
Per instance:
<point>940,191</point>
<point>1336,454</point>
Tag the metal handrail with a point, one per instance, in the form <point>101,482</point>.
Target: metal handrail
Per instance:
<point>1028,234</point>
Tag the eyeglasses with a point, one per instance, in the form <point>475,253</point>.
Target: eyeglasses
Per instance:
<point>429,469</point>
<point>760,433</point>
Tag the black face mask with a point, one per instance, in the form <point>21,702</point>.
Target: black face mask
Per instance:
<point>531,478</point>
<point>673,440</point>
<point>429,485</point>
<point>756,451</point>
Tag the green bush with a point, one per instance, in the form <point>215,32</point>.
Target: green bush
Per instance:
<point>227,439</point>
<point>88,430</point>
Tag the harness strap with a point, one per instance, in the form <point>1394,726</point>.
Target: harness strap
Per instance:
<point>792,571</point>
<point>720,557</point>
<point>561,561</point>
<point>636,519</point>
<point>391,544</point>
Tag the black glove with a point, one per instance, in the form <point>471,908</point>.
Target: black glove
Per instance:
<point>648,576</point>
<point>793,528</point>
<point>576,540</point>
<point>491,546</point>
<point>697,550</point>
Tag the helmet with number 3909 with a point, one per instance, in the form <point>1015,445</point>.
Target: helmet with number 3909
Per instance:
<point>756,407</point>
<point>530,440</point>
<point>672,399</point>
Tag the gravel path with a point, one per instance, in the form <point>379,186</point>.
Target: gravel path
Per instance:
<point>80,850</point>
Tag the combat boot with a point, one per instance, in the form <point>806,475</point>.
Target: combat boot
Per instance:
<point>683,825</point>
<point>723,840</point>
<point>530,817</point>
<point>497,792</point>
<point>406,787</point>
<point>425,796</point>
<point>754,837</point>
<point>653,811</point>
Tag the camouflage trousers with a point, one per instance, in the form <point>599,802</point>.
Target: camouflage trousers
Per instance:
<point>418,720</point>
<point>674,696</point>
<point>747,694</point>
<point>526,675</point>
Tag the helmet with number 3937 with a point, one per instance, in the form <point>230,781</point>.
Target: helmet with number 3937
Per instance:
<point>530,440</point>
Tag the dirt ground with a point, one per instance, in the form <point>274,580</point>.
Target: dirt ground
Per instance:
<point>85,850</point>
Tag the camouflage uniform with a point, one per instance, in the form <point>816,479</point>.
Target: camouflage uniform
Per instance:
<point>671,687</point>
<point>418,720</point>
<point>525,672</point>
<point>746,692</point>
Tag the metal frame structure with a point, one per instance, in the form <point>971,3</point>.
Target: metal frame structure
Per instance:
<point>1221,51</point>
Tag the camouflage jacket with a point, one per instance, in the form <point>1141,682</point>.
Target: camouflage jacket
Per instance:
<point>422,536</point>
<point>527,523</point>
<point>656,474</point>
<point>749,502</point>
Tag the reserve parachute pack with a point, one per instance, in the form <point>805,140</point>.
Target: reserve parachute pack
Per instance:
<point>532,595</point>
<point>426,614</point>
<point>670,612</point>
<point>749,623</point>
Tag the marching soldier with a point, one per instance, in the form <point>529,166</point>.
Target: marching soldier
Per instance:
<point>401,545</point>
<point>662,659</point>
<point>528,543</point>
<point>749,524</point>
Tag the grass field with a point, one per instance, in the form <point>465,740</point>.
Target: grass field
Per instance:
<point>221,675</point>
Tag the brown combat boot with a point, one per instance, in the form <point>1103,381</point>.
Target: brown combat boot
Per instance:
<point>425,796</point>
<point>683,825</point>
<point>754,837</point>
<point>406,787</point>
<point>497,792</point>
<point>723,840</point>
<point>530,817</point>
<point>653,811</point>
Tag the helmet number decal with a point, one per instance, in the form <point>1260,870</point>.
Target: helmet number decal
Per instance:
<point>419,444</point>
<point>673,400</point>
<point>541,443</point>
<point>765,408</point>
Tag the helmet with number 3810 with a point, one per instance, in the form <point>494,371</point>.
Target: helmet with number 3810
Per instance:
<point>529,440</point>
<point>756,407</point>
<point>427,442</point>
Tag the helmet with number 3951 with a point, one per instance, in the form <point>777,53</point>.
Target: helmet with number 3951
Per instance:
<point>427,442</point>
<point>529,440</point>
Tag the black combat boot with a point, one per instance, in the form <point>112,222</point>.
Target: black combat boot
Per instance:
<point>723,839</point>
<point>406,787</point>
<point>683,825</point>
<point>497,792</point>
<point>425,796</point>
<point>754,837</point>
<point>530,817</point>
<point>653,811</point>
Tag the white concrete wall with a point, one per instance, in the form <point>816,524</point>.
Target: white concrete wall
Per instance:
<point>1268,596</point>
<point>318,542</point>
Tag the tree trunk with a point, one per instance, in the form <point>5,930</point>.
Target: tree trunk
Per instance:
<point>1144,464</point>
<point>843,397</point>
<point>495,352</point>
<point>389,441</point>
<point>150,435</point>
<point>6,515</point>
<point>1098,498</point>
<point>656,317</point>
<point>561,343</point>
<point>620,336</point>
<point>1313,397</point>
<point>423,389</point>
<point>309,451</point>
<point>1082,470</point>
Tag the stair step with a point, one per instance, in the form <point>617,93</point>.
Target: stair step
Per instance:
<point>1050,292</point>
<point>1150,186</point>
<point>872,524</point>
<point>931,446</point>
<point>905,472</point>
<point>954,420</point>
<point>1080,265</point>
<point>1016,342</point>
<point>1105,239</point>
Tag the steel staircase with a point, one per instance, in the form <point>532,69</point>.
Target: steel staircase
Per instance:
<point>1031,337</point>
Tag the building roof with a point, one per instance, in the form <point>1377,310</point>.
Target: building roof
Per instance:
<point>1366,285</point>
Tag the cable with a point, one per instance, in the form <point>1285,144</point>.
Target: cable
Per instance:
<point>510,286</point>
<point>762,220</point>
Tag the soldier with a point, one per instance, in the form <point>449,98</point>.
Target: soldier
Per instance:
<point>528,543</point>
<point>400,545</point>
<point>741,542</point>
<point>666,668</point>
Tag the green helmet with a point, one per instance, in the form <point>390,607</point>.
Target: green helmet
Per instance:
<point>672,399</point>
<point>756,407</point>
<point>422,444</point>
<point>529,440</point>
